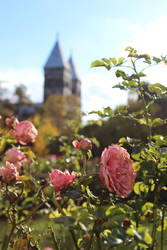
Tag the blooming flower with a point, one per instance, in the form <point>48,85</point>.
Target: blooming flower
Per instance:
<point>9,174</point>
<point>116,171</point>
<point>60,180</point>
<point>14,156</point>
<point>84,144</point>
<point>24,132</point>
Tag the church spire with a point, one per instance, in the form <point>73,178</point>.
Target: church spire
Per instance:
<point>75,75</point>
<point>56,58</point>
<point>76,82</point>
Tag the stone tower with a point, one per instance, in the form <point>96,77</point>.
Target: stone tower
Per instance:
<point>76,82</point>
<point>61,76</point>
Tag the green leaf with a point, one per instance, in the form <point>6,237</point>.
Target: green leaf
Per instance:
<point>97,63</point>
<point>106,61</point>
<point>132,84</point>
<point>90,194</point>
<point>147,61</point>
<point>128,48</point>
<point>146,207</point>
<point>140,187</point>
<point>157,88</point>
<point>108,111</point>
<point>157,122</point>
<point>99,113</point>
<point>141,74</point>
<point>156,59</point>
<point>112,211</point>
<point>119,86</point>
<point>120,60</point>
<point>89,154</point>
<point>160,140</point>
<point>113,60</point>
<point>2,144</point>
<point>121,73</point>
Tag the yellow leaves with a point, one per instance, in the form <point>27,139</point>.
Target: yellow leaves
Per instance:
<point>25,178</point>
<point>45,131</point>
<point>143,218</point>
<point>55,214</point>
<point>136,166</point>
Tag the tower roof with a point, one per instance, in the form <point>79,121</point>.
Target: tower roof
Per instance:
<point>56,58</point>
<point>75,75</point>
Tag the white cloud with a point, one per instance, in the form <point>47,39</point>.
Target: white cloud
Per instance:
<point>30,77</point>
<point>97,92</point>
<point>149,38</point>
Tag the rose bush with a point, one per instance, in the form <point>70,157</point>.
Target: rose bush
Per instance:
<point>114,203</point>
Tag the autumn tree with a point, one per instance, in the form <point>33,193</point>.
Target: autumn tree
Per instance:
<point>60,109</point>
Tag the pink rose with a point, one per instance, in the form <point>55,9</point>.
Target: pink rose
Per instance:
<point>60,180</point>
<point>48,248</point>
<point>9,174</point>
<point>14,156</point>
<point>84,144</point>
<point>25,132</point>
<point>116,171</point>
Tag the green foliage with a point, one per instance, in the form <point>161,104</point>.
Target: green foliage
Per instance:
<point>84,214</point>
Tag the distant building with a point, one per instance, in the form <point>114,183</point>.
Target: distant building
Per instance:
<point>61,76</point>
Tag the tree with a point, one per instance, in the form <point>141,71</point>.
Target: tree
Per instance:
<point>60,109</point>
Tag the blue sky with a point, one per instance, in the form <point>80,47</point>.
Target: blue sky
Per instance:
<point>90,29</point>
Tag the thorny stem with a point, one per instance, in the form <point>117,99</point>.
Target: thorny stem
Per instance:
<point>162,227</point>
<point>154,229</point>
<point>144,102</point>
<point>84,164</point>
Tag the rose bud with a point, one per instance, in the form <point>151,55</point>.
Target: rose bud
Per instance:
<point>60,180</point>
<point>84,144</point>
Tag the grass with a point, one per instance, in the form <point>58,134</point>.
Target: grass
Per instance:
<point>42,234</point>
